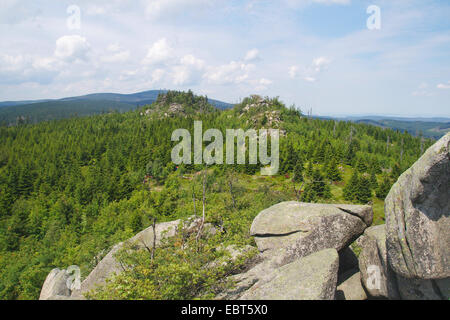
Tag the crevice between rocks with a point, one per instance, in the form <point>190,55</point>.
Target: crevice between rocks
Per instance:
<point>274,235</point>
<point>353,214</point>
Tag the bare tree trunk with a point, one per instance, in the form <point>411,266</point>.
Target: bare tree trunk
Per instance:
<point>154,238</point>
<point>200,229</point>
<point>401,153</point>
<point>421,146</point>
<point>297,192</point>
<point>193,199</point>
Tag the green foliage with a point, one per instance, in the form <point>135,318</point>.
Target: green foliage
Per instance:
<point>182,269</point>
<point>333,171</point>
<point>384,188</point>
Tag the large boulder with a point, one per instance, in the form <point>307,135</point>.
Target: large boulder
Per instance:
<point>304,228</point>
<point>417,216</point>
<point>376,274</point>
<point>55,285</point>
<point>313,277</point>
<point>380,281</point>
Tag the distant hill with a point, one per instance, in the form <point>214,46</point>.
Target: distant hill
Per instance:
<point>429,129</point>
<point>32,111</point>
<point>434,128</point>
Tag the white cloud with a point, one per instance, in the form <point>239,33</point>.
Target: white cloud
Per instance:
<point>310,73</point>
<point>233,72</point>
<point>95,10</point>
<point>72,48</point>
<point>310,79</point>
<point>116,54</point>
<point>252,55</point>
<point>160,52</point>
<point>188,71</point>
<point>17,69</point>
<point>156,9</point>
<point>265,82</point>
<point>293,72</point>
<point>444,85</point>
<point>320,63</point>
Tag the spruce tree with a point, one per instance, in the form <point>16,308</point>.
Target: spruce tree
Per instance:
<point>373,180</point>
<point>333,171</point>
<point>351,187</point>
<point>384,188</point>
<point>297,176</point>
<point>363,192</point>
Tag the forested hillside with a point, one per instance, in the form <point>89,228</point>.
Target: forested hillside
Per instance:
<point>20,112</point>
<point>70,189</point>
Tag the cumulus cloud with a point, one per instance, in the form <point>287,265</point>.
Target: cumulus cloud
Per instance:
<point>188,71</point>
<point>311,72</point>
<point>233,72</point>
<point>320,63</point>
<point>293,72</point>
<point>72,48</point>
<point>160,52</point>
<point>16,69</point>
<point>444,85</point>
<point>252,55</point>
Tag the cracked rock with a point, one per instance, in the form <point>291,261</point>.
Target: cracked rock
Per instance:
<point>417,217</point>
<point>305,228</point>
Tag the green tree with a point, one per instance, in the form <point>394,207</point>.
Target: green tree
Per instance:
<point>363,192</point>
<point>384,188</point>
<point>333,172</point>
<point>351,188</point>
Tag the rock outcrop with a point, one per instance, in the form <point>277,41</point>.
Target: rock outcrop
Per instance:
<point>305,228</point>
<point>376,274</point>
<point>55,285</point>
<point>417,213</point>
<point>312,277</point>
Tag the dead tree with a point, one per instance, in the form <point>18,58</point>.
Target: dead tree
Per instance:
<point>193,200</point>
<point>401,153</point>
<point>202,223</point>
<point>297,192</point>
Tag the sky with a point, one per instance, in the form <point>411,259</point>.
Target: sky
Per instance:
<point>336,57</point>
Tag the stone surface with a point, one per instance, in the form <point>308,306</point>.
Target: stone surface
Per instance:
<point>305,228</point>
<point>312,277</point>
<point>350,287</point>
<point>419,289</point>
<point>417,216</point>
<point>55,285</point>
<point>376,275</point>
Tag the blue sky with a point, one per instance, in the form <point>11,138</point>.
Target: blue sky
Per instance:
<point>315,54</point>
